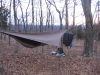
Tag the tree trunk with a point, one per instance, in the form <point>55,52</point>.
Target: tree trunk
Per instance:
<point>10,16</point>
<point>15,15</point>
<point>32,15</point>
<point>24,30</point>
<point>27,17</point>
<point>41,17</point>
<point>52,22</point>
<point>96,42</point>
<point>1,3</point>
<point>88,43</point>
<point>61,25</point>
<point>67,22</point>
<point>1,17</point>
<point>36,21</point>
<point>74,14</point>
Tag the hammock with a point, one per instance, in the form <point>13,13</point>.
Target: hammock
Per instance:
<point>37,39</point>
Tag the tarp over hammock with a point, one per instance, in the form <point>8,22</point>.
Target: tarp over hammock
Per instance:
<point>37,39</point>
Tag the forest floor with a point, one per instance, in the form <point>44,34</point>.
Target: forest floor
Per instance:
<point>34,61</point>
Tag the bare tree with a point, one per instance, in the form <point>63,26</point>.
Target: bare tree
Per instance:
<point>22,16</point>
<point>97,26</point>
<point>32,15</point>
<point>10,16</point>
<point>48,15</point>
<point>41,17</point>
<point>1,3</point>
<point>59,12</point>
<point>1,16</point>
<point>15,21</point>
<point>10,19</point>
<point>26,17</point>
<point>74,13</point>
<point>52,22</point>
<point>88,44</point>
<point>36,20</point>
<point>15,15</point>
<point>66,20</point>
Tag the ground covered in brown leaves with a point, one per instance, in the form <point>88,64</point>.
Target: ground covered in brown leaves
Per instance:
<point>35,61</point>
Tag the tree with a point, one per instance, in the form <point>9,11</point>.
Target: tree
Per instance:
<point>74,13</point>
<point>59,12</point>
<point>88,43</point>
<point>97,26</point>
<point>1,13</point>
<point>4,13</point>
<point>26,17</point>
<point>10,16</point>
<point>32,15</point>
<point>15,15</point>
<point>67,22</point>
<point>41,17</point>
<point>36,22</point>
<point>48,16</point>
<point>24,30</point>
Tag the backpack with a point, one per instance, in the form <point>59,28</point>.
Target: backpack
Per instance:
<point>60,51</point>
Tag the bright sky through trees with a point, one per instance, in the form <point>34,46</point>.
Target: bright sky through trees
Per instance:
<point>59,3</point>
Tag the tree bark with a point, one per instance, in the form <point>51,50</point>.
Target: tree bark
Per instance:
<point>1,17</point>
<point>32,15</point>
<point>15,15</point>
<point>10,17</point>
<point>88,43</point>
<point>41,17</point>
<point>27,17</point>
<point>52,22</point>
<point>36,21</point>
<point>74,13</point>
<point>24,30</point>
<point>67,22</point>
<point>48,16</point>
<point>1,3</point>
